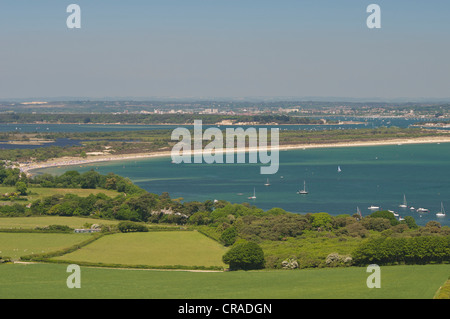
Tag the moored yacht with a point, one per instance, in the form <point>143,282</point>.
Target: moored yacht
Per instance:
<point>254,195</point>
<point>405,204</point>
<point>442,212</point>
<point>303,191</point>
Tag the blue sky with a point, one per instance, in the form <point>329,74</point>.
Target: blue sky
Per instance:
<point>224,48</point>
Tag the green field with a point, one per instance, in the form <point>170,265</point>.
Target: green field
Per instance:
<point>165,248</point>
<point>15,245</point>
<point>35,193</point>
<point>189,249</point>
<point>33,222</point>
<point>49,281</point>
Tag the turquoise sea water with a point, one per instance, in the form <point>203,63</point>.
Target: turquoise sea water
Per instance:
<point>372,175</point>
<point>369,122</point>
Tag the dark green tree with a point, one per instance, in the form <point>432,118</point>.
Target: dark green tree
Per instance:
<point>245,256</point>
<point>21,187</point>
<point>411,222</point>
<point>130,227</point>
<point>89,179</point>
<point>228,236</point>
<point>385,214</point>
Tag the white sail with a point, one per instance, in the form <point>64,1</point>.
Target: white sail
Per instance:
<point>442,212</point>
<point>358,211</point>
<point>304,191</point>
<point>405,204</point>
<point>254,194</point>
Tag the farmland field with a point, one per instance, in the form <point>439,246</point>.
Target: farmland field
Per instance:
<point>15,245</point>
<point>33,222</point>
<point>36,193</point>
<point>187,248</point>
<point>49,281</point>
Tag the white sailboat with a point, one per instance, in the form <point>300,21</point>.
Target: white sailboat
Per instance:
<point>339,169</point>
<point>303,191</point>
<point>442,212</point>
<point>358,211</point>
<point>254,194</point>
<point>405,204</point>
<point>267,183</point>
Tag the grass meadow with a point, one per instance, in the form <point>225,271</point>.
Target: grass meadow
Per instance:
<point>33,222</point>
<point>35,193</point>
<point>164,248</point>
<point>49,281</point>
<point>186,248</point>
<point>15,245</point>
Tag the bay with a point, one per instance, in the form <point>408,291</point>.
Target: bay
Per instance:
<point>364,122</point>
<point>371,175</point>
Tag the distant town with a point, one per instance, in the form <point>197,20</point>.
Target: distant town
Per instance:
<point>292,108</point>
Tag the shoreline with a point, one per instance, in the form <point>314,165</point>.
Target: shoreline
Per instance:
<point>191,124</point>
<point>28,168</point>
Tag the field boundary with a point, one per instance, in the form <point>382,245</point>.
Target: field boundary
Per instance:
<point>444,291</point>
<point>48,258</point>
<point>143,267</point>
<point>31,230</point>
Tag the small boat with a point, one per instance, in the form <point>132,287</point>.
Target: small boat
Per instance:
<point>303,191</point>
<point>405,204</point>
<point>373,207</point>
<point>412,208</point>
<point>358,211</point>
<point>339,169</point>
<point>400,219</point>
<point>254,195</point>
<point>422,210</point>
<point>267,183</point>
<point>442,212</point>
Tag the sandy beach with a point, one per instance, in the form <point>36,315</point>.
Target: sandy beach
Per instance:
<point>69,161</point>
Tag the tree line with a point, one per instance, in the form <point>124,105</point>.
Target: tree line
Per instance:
<point>134,118</point>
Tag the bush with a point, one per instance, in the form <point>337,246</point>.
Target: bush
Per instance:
<point>21,187</point>
<point>4,260</point>
<point>245,256</point>
<point>386,215</point>
<point>335,260</point>
<point>228,237</point>
<point>376,223</point>
<point>127,227</point>
<point>289,263</point>
<point>321,221</point>
<point>56,228</point>
<point>414,250</point>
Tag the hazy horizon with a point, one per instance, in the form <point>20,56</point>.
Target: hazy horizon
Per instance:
<point>226,50</point>
<point>324,99</point>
